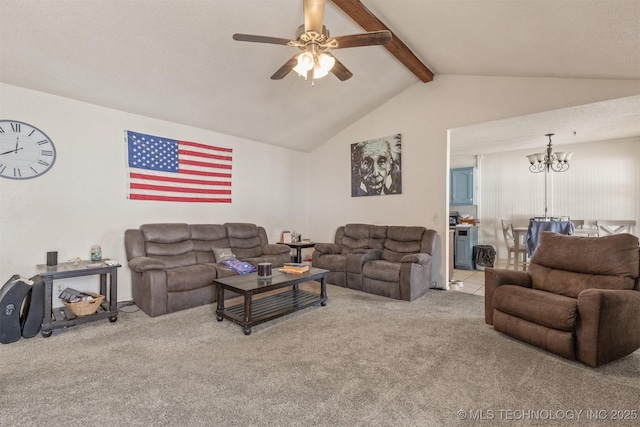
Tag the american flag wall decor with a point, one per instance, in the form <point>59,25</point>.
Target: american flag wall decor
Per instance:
<point>169,170</point>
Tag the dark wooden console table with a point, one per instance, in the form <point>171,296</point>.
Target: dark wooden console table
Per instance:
<point>62,317</point>
<point>253,312</point>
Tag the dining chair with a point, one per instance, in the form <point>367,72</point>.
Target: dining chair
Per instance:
<point>580,230</point>
<point>513,258</point>
<point>607,227</point>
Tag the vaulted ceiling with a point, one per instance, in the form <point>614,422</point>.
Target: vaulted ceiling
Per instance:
<point>176,61</point>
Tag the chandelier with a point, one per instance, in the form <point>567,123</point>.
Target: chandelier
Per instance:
<point>549,161</point>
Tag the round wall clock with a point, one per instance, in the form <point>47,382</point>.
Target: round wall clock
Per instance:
<point>25,151</point>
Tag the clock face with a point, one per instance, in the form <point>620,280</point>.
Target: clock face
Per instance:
<point>25,151</point>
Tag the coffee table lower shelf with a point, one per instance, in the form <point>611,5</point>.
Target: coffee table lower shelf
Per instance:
<point>269,308</point>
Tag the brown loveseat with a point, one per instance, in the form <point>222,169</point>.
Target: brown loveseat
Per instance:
<point>579,298</point>
<point>173,265</point>
<point>392,261</point>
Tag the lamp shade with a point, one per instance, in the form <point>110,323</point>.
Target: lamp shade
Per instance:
<point>305,63</point>
<point>319,72</point>
<point>326,61</point>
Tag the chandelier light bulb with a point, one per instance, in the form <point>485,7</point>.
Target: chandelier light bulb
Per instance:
<point>326,61</point>
<point>305,61</point>
<point>319,72</point>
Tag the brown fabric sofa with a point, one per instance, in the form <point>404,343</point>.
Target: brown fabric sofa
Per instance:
<point>392,261</point>
<point>579,298</point>
<point>173,265</point>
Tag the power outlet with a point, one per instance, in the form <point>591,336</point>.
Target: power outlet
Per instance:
<point>59,288</point>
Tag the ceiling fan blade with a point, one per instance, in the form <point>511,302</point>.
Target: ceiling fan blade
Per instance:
<point>339,70</point>
<point>364,39</point>
<point>286,68</point>
<point>313,15</point>
<point>260,39</point>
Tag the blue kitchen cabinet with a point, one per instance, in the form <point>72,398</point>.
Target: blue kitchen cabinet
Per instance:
<point>462,186</point>
<point>466,239</point>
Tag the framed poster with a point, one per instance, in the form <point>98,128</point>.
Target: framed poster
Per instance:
<point>376,167</point>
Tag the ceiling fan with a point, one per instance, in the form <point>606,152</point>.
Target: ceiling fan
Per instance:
<point>313,39</point>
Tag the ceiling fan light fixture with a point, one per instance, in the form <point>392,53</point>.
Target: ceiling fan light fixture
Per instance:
<point>319,72</point>
<point>305,63</point>
<point>305,60</point>
<point>326,61</point>
<point>324,64</point>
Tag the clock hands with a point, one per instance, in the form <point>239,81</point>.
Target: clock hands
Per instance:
<point>15,150</point>
<point>11,151</point>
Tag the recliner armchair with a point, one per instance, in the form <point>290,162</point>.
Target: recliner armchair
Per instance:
<point>580,297</point>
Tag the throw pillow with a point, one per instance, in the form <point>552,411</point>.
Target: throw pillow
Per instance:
<point>223,254</point>
<point>240,267</point>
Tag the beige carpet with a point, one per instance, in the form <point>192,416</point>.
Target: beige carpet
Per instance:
<point>362,360</point>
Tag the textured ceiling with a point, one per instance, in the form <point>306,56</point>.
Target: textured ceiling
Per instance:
<point>176,61</point>
<point>600,121</point>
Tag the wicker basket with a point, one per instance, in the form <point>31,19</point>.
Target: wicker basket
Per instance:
<point>84,308</point>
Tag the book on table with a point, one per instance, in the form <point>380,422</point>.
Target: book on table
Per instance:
<point>296,268</point>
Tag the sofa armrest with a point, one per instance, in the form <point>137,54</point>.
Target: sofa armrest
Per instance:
<point>357,260</point>
<point>608,326</point>
<point>494,277</point>
<point>420,258</point>
<point>275,249</point>
<point>328,248</point>
<point>142,263</point>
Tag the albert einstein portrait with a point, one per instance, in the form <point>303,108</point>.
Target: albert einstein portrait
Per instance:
<point>375,167</point>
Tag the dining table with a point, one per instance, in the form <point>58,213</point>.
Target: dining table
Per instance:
<point>538,226</point>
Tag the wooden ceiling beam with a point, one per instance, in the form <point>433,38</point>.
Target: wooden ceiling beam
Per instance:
<point>363,17</point>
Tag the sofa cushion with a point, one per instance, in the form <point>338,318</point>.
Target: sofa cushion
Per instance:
<point>355,238</point>
<point>540,307</point>
<point>172,254</point>
<point>333,262</point>
<point>190,277</point>
<point>608,262</point>
<point>570,284</point>
<point>223,254</point>
<point>401,241</point>
<point>615,255</point>
<point>165,233</point>
<point>387,271</point>
<point>244,240</point>
<point>205,237</point>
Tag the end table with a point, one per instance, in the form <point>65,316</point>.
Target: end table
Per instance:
<point>62,317</point>
<point>298,246</point>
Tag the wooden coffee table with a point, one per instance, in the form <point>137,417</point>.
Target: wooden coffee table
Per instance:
<point>253,312</point>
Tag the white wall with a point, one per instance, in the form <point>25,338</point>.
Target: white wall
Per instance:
<point>602,182</point>
<point>82,200</point>
<point>423,114</point>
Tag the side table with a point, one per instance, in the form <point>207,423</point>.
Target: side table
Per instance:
<point>299,246</point>
<point>62,317</point>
